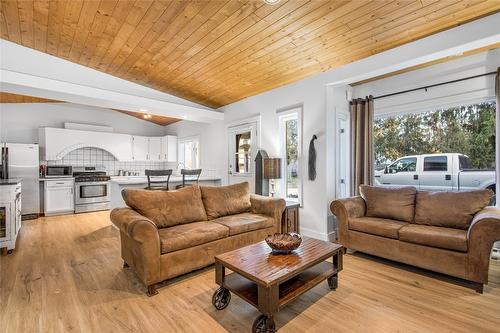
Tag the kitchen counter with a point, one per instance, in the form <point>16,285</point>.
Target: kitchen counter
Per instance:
<point>118,183</point>
<point>10,181</point>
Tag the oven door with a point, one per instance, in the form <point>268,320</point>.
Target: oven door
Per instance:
<point>91,192</point>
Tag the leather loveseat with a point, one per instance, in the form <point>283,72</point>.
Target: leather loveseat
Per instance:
<point>168,233</point>
<point>447,232</point>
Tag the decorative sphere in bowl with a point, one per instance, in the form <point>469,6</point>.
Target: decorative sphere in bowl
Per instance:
<point>284,243</point>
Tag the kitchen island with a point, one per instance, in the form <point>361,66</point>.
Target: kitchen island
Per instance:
<point>10,212</point>
<point>119,183</point>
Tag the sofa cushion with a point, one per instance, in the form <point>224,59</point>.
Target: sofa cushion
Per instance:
<point>450,209</point>
<point>190,234</point>
<point>390,203</point>
<point>244,222</point>
<point>226,200</point>
<point>167,208</point>
<point>376,226</point>
<point>445,238</point>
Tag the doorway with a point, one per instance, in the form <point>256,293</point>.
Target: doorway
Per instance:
<point>242,149</point>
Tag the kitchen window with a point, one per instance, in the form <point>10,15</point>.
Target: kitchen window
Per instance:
<point>290,133</point>
<point>189,153</point>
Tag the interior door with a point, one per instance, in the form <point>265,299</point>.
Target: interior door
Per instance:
<point>341,188</point>
<point>243,147</point>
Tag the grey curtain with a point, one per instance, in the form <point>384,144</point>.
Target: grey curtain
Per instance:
<point>361,143</point>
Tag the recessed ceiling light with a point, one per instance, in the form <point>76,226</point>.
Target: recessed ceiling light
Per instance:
<point>271,2</point>
<point>147,116</point>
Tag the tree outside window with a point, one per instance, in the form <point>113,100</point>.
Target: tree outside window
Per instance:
<point>468,129</point>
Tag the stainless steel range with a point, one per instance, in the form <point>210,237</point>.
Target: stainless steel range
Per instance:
<point>92,192</point>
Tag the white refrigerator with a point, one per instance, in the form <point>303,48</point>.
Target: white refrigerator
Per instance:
<point>23,162</point>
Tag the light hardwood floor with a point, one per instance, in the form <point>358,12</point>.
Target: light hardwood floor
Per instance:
<point>66,275</point>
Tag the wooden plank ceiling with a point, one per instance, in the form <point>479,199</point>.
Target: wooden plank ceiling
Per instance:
<point>15,98</point>
<point>155,119</point>
<point>218,52</point>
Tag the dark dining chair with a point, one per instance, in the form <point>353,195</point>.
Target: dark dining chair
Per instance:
<point>189,177</point>
<point>154,183</point>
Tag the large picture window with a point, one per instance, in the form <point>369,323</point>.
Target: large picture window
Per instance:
<point>290,128</point>
<point>442,150</point>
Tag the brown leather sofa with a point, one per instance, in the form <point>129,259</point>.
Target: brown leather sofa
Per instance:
<point>166,234</point>
<point>446,232</point>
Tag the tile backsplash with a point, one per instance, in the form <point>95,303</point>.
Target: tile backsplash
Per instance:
<point>100,157</point>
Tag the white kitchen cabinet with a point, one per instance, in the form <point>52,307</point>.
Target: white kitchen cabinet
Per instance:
<point>146,148</point>
<point>55,143</point>
<point>169,148</point>
<point>59,197</point>
<point>140,147</point>
<point>155,149</point>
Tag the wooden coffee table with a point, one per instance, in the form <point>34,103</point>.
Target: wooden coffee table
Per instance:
<point>270,281</point>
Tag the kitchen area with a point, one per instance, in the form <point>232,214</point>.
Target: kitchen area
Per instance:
<point>80,168</point>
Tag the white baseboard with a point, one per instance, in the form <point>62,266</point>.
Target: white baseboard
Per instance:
<point>331,236</point>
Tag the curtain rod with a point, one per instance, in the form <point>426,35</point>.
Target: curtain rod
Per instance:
<point>434,85</point>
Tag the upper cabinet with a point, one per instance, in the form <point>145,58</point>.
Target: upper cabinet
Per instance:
<point>140,147</point>
<point>154,148</point>
<point>169,148</point>
<point>55,143</point>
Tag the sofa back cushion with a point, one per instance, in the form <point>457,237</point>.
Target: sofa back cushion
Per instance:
<point>167,208</point>
<point>389,203</point>
<point>226,200</point>
<point>450,209</point>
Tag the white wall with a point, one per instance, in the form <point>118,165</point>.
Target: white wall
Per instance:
<point>19,122</point>
<point>468,91</point>
<point>212,143</point>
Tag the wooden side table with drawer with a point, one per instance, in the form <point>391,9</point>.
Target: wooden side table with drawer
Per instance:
<point>290,217</point>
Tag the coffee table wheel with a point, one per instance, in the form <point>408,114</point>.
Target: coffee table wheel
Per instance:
<point>263,324</point>
<point>221,298</point>
<point>333,282</point>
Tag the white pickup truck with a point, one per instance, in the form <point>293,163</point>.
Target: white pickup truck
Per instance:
<point>435,172</point>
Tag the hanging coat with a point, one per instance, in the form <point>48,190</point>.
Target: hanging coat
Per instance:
<point>312,159</point>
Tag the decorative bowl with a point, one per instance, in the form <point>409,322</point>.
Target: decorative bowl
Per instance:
<point>284,243</point>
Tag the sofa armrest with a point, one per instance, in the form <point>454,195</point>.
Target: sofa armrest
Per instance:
<point>140,243</point>
<point>483,232</point>
<point>134,225</point>
<point>345,209</point>
<point>268,206</point>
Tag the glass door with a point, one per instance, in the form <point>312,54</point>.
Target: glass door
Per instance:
<point>242,150</point>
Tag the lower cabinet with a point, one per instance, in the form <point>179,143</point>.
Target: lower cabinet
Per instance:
<point>10,215</point>
<point>59,197</point>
